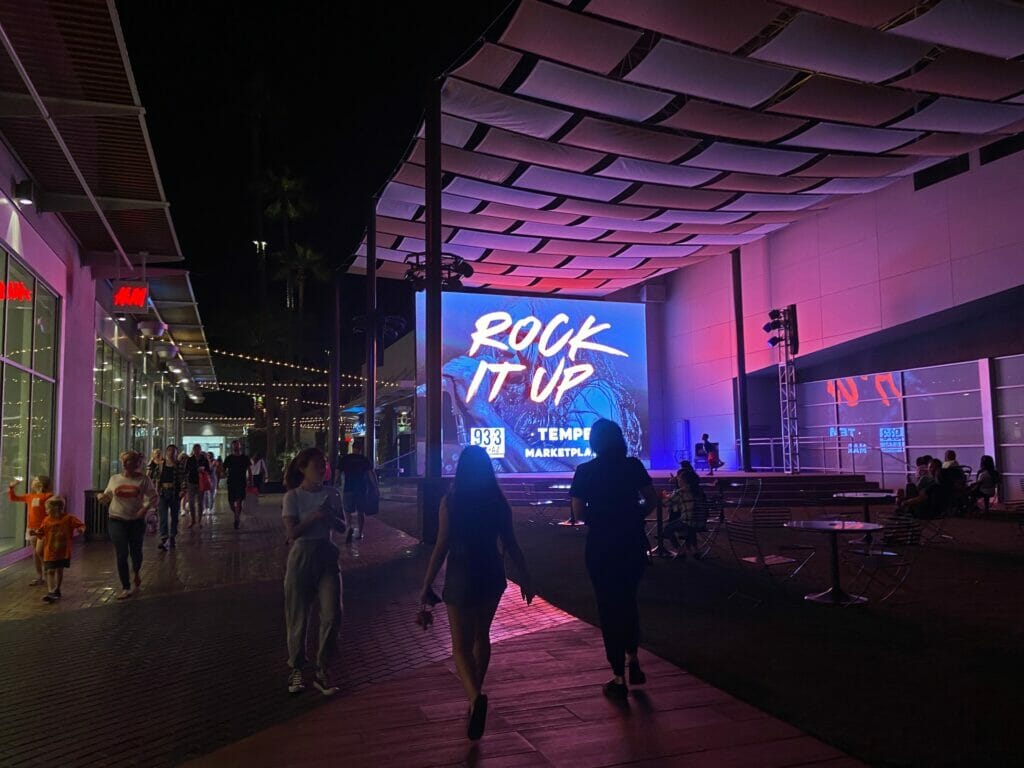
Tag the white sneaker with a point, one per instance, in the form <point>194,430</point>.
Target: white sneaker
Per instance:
<point>295,684</point>
<point>323,684</point>
<point>124,594</point>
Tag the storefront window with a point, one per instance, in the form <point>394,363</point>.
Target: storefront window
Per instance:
<point>19,291</point>
<point>14,455</point>
<point>28,323</point>
<point>41,434</point>
<point>45,343</point>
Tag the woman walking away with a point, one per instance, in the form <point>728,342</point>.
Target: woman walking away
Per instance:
<point>606,494</point>
<point>35,501</point>
<point>311,511</point>
<point>475,519</point>
<point>130,495</point>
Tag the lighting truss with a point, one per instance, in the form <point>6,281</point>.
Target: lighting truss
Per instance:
<point>453,270</point>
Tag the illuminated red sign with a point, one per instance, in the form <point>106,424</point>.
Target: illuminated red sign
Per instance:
<point>14,290</point>
<point>845,391</point>
<point>130,295</point>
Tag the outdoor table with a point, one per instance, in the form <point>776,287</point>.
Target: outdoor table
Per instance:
<point>868,498</point>
<point>834,595</point>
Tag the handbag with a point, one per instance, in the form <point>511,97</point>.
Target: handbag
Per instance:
<point>204,481</point>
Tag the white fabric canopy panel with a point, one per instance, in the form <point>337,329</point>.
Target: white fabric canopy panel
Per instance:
<point>587,151</point>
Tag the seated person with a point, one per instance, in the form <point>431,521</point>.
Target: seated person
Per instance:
<point>685,504</point>
<point>934,497</point>
<point>985,482</point>
<point>950,460</point>
<point>920,481</point>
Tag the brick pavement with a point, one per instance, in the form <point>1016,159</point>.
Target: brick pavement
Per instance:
<point>196,662</point>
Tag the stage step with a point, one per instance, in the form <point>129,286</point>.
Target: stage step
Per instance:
<point>776,489</point>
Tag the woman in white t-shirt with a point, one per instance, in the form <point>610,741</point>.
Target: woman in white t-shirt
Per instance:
<point>311,511</point>
<point>130,495</point>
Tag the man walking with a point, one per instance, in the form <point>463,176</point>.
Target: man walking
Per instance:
<point>360,486</point>
<point>195,462</point>
<point>239,473</point>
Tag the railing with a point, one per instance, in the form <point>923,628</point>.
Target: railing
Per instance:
<point>836,457</point>
<point>393,467</point>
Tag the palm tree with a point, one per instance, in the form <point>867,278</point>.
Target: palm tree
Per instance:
<point>288,202</point>
<point>296,267</point>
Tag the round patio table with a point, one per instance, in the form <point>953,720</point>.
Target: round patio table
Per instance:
<point>834,595</point>
<point>868,498</point>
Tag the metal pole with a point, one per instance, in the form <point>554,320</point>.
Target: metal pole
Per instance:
<point>741,362</point>
<point>433,279</point>
<point>370,441</point>
<point>335,379</point>
<point>432,487</point>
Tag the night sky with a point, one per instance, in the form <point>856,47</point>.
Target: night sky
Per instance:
<point>334,90</point>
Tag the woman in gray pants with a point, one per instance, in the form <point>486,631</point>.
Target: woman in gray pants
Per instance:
<point>311,511</point>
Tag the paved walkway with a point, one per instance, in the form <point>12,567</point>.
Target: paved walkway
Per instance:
<point>193,670</point>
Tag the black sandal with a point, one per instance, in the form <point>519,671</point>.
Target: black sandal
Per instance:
<point>477,718</point>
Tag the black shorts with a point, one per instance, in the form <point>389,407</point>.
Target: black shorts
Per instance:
<point>53,565</point>
<point>236,491</point>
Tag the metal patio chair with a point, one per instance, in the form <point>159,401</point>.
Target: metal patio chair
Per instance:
<point>885,565</point>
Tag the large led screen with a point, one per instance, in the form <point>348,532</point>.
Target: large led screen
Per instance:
<point>526,377</point>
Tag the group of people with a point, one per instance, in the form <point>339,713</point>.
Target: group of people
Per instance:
<point>610,493</point>
<point>132,494</point>
<point>942,487</point>
<point>49,533</point>
<point>192,479</point>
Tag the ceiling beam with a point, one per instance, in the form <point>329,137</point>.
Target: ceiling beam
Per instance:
<point>19,67</point>
<point>107,258</point>
<point>113,272</point>
<point>53,202</point>
<point>23,105</point>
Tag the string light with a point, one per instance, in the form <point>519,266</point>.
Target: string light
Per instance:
<point>285,364</point>
<point>237,391</point>
<point>268,361</point>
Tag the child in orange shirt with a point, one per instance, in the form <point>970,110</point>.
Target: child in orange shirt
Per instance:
<point>35,501</point>
<point>56,532</point>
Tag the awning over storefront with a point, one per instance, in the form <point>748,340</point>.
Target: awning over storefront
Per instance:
<point>591,148</point>
<point>70,111</point>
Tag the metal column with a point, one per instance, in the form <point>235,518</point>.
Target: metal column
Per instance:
<point>370,441</point>
<point>433,276</point>
<point>787,402</point>
<point>432,487</point>
<point>334,382</point>
<point>741,363</point>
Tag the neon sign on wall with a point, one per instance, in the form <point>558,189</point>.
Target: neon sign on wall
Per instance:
<point>130,295</point>
<point>15,290</point>
<point>846,391</point>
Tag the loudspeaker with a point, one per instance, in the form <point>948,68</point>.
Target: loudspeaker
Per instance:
<point>652,294</point>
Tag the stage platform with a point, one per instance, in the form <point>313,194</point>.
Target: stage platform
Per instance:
<point>777,489</point>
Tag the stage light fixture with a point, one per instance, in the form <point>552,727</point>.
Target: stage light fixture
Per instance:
<point>453,270</point>
<point>775,314</point>
<point>774,325</point>
<point>774,341</point>
<point>25,192</point>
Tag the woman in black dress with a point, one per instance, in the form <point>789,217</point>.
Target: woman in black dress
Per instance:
<point>475,526</point>
<point>606,494</point>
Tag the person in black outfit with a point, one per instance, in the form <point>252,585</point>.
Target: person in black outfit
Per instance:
<point>475,526</point>
<point>360,484</point>
<point>239,473</point>
<point>195,462</point>
<point>170,487</point>
<point>606,494</point>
